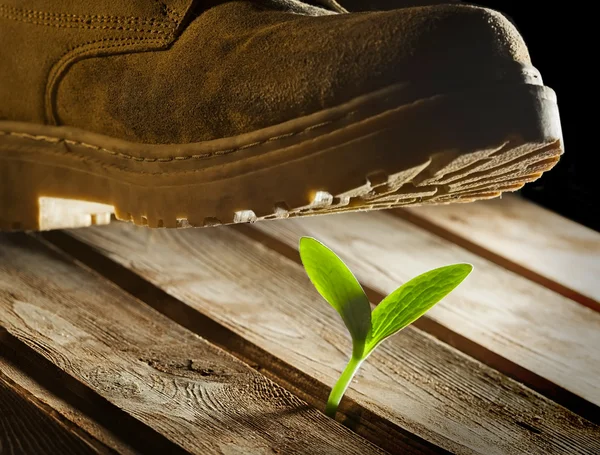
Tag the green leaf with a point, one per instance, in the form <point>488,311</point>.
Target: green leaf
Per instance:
<point>413,299</point>
<point>336,283</point>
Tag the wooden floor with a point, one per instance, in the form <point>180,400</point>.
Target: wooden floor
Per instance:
<point>119,339</point>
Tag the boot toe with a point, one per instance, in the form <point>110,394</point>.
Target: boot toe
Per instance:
<point>366,52</point>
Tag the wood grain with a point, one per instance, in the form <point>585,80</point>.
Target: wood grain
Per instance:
<point>197,396</point>
<point>26,429</point>
<point>413,381</point>
<point>43,394</point>
<point>523,237</point>
<point>523,322</point>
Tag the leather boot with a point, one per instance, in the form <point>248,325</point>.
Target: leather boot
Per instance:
<point>174,113</point>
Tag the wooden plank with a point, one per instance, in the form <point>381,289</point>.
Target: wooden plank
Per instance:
<point>529,325</point>
<point>197,396</point>
<point>26,429</point>
<point>36,389</point>
<point>139,436</point>
<point>525,238</point>
<point>413,381</point>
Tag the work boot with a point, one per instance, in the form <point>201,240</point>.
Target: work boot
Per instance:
<point>179,113</point>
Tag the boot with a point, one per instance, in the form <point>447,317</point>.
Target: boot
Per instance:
<point>176,113</point>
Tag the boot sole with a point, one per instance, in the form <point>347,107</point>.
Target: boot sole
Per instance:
<point>378,151</point>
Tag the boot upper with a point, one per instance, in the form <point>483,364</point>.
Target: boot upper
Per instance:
<point>178,72</point>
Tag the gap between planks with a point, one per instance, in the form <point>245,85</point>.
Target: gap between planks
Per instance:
<point>502,232</point>
<point>77,407</point>
<point>168,261</point>
<point>27,426</point>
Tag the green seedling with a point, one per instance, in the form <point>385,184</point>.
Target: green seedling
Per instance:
<point>338,286</point>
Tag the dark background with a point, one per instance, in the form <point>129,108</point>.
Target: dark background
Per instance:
<point>557,34</point>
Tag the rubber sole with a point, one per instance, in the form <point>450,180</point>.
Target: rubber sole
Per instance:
<point>376,152</point>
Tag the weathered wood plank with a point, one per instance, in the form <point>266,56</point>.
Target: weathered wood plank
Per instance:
<point>26,429</point>
<point>126,427</point>
<point>525,238</point>
<point>197,396</point>
<point>413,381</point>
<point>523,322</point>
<point>39,391</point>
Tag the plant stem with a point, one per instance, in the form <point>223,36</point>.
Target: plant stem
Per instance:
<point>341,385</point>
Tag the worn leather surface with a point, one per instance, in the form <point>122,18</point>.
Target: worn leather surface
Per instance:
<point>383,5</point>
<point>177,74</point>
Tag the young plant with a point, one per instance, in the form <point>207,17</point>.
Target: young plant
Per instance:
<point>336,283</point>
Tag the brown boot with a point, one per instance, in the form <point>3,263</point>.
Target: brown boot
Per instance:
<point>195,113</point>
